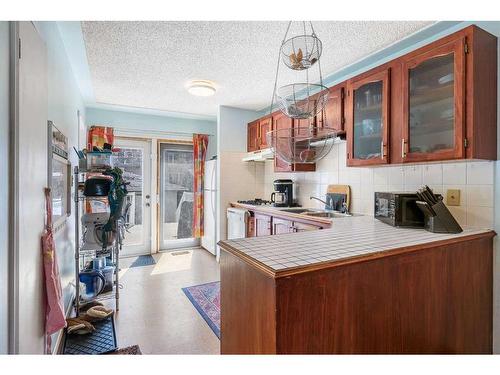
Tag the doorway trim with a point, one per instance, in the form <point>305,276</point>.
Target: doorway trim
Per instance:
<point>13,230</point>
<point>155,137</point>
<point>148,175</point>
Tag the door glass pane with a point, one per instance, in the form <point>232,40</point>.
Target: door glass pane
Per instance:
<point>130,160</point>
<point>432,109</point>
<point>176,194</point>
<point>368,121</point>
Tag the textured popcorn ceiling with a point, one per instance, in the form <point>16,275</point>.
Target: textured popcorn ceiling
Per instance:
<point>147,64</point>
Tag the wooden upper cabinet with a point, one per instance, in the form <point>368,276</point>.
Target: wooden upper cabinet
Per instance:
<point>332,116</point>
<point>433,103</point>
<point>257,133</point>
<point>302,127</point>
<point>449,90</point>
<point>253,136</point>
<point>265,125</point>
<point>281,121</point>
<point>368,112</point>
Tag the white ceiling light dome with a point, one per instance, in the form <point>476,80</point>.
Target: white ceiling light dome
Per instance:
<point>201,87</point>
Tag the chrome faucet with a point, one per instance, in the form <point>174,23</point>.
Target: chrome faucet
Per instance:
<point>327,206</point>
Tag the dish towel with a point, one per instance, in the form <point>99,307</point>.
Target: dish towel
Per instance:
<point>54,311</point>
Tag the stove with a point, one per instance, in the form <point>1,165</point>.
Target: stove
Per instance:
<point>256,202</point>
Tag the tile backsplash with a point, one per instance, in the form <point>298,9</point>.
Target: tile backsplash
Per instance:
<point>474,179</point>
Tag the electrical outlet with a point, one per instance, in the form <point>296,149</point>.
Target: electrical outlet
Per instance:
<point>453,197</point>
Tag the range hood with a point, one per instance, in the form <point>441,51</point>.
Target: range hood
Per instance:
<point>261,155</point>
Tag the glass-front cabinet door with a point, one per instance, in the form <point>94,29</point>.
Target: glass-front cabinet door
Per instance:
<point>433,104</point>
<point>368,120</point>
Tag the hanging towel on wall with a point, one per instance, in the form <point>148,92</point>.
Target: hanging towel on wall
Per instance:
<point>54,311</point>
<point>200,143</point>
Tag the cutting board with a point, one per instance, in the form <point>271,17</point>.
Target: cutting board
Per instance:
<point>341,189</point>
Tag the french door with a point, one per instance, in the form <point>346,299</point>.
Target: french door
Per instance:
<point>176,180</point>
<point>134,158</point>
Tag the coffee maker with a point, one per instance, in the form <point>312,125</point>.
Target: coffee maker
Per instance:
<point>282,195</point>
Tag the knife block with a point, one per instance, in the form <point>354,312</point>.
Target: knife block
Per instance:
<point>442,222</point>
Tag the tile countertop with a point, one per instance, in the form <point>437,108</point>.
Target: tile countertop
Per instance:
<point>352,237</point>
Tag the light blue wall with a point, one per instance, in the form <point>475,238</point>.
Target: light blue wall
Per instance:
<point>4,182</point>
<point>232,128</point>
<point>150,124</point>
<point>64,102</point>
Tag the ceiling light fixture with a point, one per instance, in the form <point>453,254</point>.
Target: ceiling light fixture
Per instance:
<point>201,88</point>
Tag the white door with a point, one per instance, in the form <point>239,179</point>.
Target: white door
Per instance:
<point>176,196</point>
<point>134,158</point>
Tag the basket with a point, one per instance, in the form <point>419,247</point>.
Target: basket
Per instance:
<point>301,52</point>
<point>305,144</point>
<point>298,101</point>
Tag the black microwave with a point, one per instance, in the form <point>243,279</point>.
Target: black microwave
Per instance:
<point>398,209</point>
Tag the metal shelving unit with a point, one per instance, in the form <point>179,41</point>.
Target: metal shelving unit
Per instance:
<point>82,255</point>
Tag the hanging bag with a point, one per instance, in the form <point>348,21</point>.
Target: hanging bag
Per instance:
<point>54,311</point>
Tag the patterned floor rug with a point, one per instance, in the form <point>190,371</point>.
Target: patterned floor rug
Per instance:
<point>206,299</point>
<point>129,350</point>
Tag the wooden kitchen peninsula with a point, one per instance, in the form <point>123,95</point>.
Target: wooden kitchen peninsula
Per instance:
<point>359,287</point>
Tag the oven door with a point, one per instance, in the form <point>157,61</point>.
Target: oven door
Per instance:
<point>384,208</point>
<point>409,213</point>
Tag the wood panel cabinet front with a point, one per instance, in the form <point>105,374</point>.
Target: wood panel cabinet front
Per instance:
<point>265,126</point>
<point>253,136</point>
<point>281,123</point>
<point>262,225</point>
<point>368,118</point>
<point>286,125</point>
<point>251,226</point>
<point>281,226</point>
<point>332,116</point>
<point>434,103</point>
<point>303,227</point>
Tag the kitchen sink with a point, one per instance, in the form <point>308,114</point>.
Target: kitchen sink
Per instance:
<point>317,212</point>
<point>298,210</point>
<point>328,214</point>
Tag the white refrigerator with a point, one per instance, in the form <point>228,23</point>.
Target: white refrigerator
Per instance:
<point>209,238</point>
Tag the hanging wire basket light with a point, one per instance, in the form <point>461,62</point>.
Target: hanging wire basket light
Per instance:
<point>301,52</point>
<point>299,101</point>
<point>303,144</point>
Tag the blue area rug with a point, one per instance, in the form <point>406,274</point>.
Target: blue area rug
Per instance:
<point>206,299</point>
<point>143,260</point>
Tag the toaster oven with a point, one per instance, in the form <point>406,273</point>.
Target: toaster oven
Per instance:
<point>398,209</point>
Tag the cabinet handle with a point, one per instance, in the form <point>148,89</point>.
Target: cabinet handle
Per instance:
<point>403,148</point>
<point>382,147</point>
